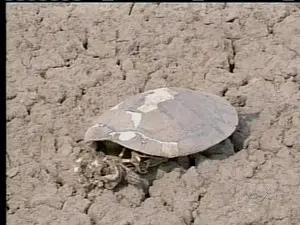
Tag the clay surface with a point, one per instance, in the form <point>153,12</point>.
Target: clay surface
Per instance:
<point>67,63</point>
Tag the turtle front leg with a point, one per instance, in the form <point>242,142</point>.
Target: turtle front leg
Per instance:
<point>147,161</point>
<point>136,161</point>
<point>133,178</point>
<point>122,153</point>
<point>143,162</point>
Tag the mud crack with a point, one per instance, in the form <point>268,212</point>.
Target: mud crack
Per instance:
<point>131,8</point>
<point>142,89</point>
<point>231,58</point>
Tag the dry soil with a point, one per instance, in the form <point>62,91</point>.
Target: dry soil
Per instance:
<point>67,63</point>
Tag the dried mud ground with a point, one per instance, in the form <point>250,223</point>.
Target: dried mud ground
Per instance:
<point>67,63</point>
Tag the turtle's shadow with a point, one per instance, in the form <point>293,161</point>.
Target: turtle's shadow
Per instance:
<point>240,136</point>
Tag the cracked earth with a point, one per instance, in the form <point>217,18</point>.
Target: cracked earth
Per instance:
<point>67,63</point>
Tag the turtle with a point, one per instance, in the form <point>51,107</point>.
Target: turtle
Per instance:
<point>152,127</point>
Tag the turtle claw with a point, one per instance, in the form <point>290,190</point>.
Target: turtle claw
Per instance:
<point>134,179</point>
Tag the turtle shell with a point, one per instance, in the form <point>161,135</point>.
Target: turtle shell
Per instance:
<point>167,122</point>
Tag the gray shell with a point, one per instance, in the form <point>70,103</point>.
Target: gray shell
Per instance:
<point>167,122</point>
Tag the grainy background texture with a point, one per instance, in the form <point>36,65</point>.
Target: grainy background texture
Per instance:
<point>67,63</point>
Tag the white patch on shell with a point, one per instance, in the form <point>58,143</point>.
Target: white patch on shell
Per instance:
<point>170,149</point>
<point>116,106</point>
<point>98,125</point>
<point>76,169</point>
<point>125,135</point>
<point>135,117</point>
<point>79,160</point>
<point>152,100</point>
